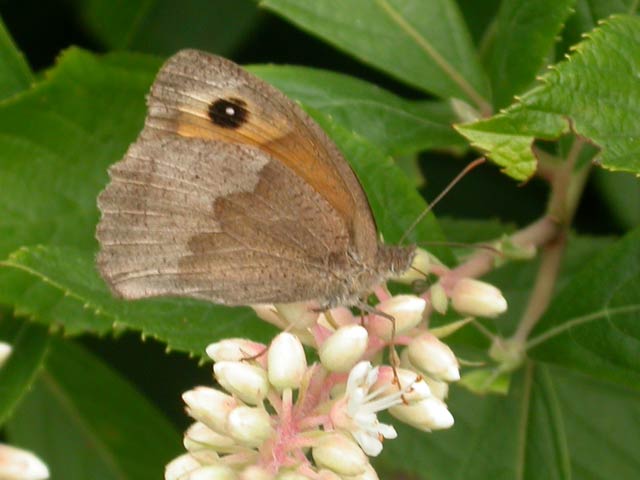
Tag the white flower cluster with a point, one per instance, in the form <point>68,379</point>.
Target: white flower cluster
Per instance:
<point>16,463</point>
<point>279,418</point>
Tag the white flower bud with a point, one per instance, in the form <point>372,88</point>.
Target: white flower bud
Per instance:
<point>180,466</point>
<point>254,472</point>
<point>439,299</point>
<point>212,472</point>
<point>344,348</point>
<point>405,309</point>
<point>249,426</point>
<point>5,351</point>
<point>286,361</point>
<point>420,267</point>
<point>234,350</point>
<point>199,436</point>
<point>369,474</point>
<point>247,382</point>
<point>413,384</point>
<point>434,357</point>
<point>439,389</point>
<point>18,464</point>
<point>300,315</point>
<point>428,414</point>
<point>291,476</point>
<point>209,406</point>
<point>325,474</point>
<point>338,453</point>
<point>481,299</point>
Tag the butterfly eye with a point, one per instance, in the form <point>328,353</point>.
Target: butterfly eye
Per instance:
<point>228,112</point>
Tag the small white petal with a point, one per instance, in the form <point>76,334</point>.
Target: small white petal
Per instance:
<point>234,350</point>
<point>336,452</point>
<point>341,351</point>
<point>370,444</point>
<point>249,426</point>
<point>434,357</point>
<point>209,406</point>
<point>248,382</point>
<point>439,389</point>
<point>19,464</point>
<point>5,352</point>
<point>480,299</point>
<point>286,362</point>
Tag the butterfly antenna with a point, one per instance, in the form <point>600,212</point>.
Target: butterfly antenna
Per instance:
<point>452,183</point>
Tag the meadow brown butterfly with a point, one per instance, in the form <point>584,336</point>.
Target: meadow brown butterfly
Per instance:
<point>232,194</point>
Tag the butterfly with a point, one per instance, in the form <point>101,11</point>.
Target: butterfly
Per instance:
<point>233,194</point>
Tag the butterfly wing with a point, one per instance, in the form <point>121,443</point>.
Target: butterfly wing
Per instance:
<point>232,194</point>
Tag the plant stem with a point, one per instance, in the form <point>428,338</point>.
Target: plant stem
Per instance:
<point>566,189</point>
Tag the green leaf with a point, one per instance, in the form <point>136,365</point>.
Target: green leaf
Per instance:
<point>423,43</point>
<point>389,122</point>
<point>588,13</point>
<point>595,93</point>
<point>593,324</point>
<point>554,424</point>
<point>29,343</point>
<point>621,192</point>
<point>79,301</point>
<point>87,422</point>
<point>524,36</point>
<point>165,26</point>
<point>15,74</point>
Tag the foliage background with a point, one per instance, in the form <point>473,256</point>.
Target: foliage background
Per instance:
<point>123,421</point>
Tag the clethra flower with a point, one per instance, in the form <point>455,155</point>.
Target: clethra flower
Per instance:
<point>276,417</point>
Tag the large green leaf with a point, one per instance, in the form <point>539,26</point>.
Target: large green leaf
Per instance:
<point>29,343</point>
<point>595,92</point>
<point>525,32</point>
<point>553,424</point>
<point>589,12</point>
<point>88,423</point>
<point>389,122</point>
<point>593,324</point>
<point>621,192</point>
<point>165,26</point>
<point>15,74</point>
<point>424,43</point>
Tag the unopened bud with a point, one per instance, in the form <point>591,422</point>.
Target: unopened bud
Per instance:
<point>434,357</point>
<point>428,414</point>
<point>234,350</point>
<point>5,352</point>
<point>300,315</point>
<point>18,464</point>
<point>405,309</point>
<point>439,299</point>
<point>180,466</point>
<point>420,267</point>
<point>413,384</point>
<point>199,436</point>
<point>339,454</point>
<point>286,361</point>
<point>255,472</point>
<point>247,382</point>
<point>480,299</point>
<point>209,406</point>
<point>212,472</point>
<point>250,426</point>
<point>342,350</point>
